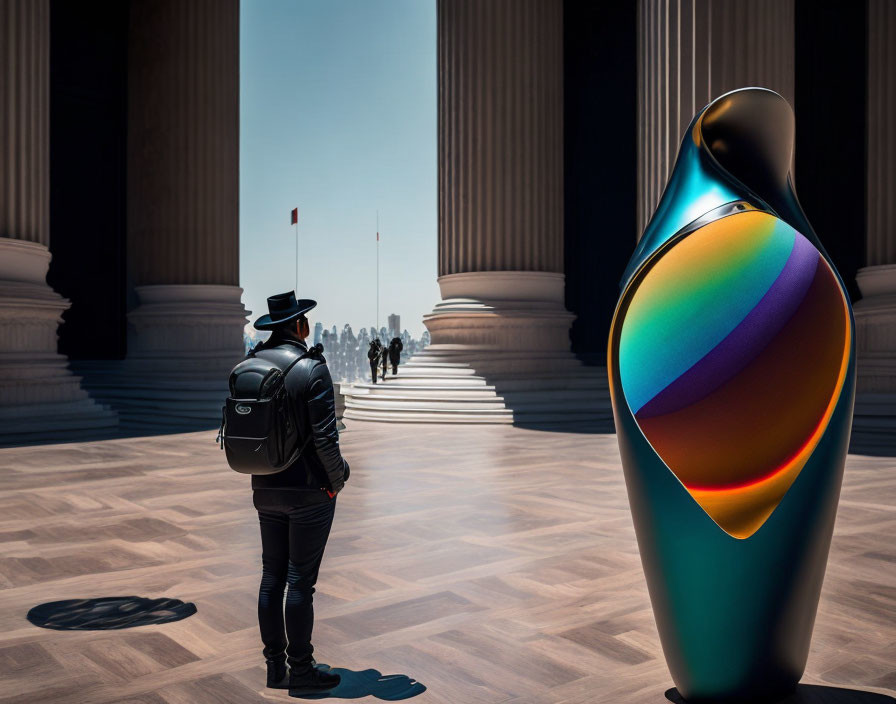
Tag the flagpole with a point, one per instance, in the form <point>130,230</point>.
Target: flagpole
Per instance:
<point>294,220</point>
<point>377,273</point>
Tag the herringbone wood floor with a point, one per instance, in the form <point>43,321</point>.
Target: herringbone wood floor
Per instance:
<point>492,564</point>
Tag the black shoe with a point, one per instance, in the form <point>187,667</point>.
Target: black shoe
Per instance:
<point>278,675</point>
<point>310,680</point>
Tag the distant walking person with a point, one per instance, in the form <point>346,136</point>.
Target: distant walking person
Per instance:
<point>373,356</point>
<point>385,356</point>
<point>295,502</point>
<point>395,348</point>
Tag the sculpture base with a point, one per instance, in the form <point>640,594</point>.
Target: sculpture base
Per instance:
<point>810,694</point>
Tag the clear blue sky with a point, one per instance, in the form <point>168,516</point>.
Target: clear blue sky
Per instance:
<point>338,118</point>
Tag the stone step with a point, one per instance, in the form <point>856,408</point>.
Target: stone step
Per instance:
<point>405,405</point>
<point>435,369</point>
<point>171,409</point>
<point>422,380</point>
<point>433,392</point>
<point>564,365</point>
<point>56,422</point>
<point>874,424</point>
<point>595,384</point>
<point>203,398</point>
<point>530,402</point>
<point>406,416</point>
<point>460,384</point>
<point>560,395</point>
<point>434,361</point>
<point>594,421</point>
<point>403,402</point>
<point>136,420</point>
<point>468,354</point>
<point>159,399</point>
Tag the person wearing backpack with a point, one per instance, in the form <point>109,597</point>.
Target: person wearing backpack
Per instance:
<point>280,426</point>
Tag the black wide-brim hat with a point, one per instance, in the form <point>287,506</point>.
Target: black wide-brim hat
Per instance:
<point>283,308</point>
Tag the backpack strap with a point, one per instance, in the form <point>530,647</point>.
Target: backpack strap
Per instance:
<point>297,453</point>
<point>313,352</point>
<point>263,346</point>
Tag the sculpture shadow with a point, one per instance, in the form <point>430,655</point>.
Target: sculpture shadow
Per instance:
<point>814,694</point>
<point>355,684</point>
<point>108,613</point>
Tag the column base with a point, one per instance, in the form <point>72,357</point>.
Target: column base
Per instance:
<point>500,354</point>
<point>184,341</point>
<point>874,424</point>
<point>40,399</point>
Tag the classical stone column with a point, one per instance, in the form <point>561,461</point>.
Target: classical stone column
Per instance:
<point>183,213</point>
<point>39,397</point>
<point>875,313</point>
<point>500,335</point>
<point>501,172</point>
<point>692,51</point>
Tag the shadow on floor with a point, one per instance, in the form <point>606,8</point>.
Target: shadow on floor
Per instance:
<point>368,683</point>
<point>108,613</point>
<point>586,428</point>
<point>816,694</point>
<point>860,446</point>
<point>96,434</point>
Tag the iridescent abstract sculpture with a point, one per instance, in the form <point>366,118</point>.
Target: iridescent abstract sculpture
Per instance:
<point>732,373</point>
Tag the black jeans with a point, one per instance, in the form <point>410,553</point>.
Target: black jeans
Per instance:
<point>293,539</point>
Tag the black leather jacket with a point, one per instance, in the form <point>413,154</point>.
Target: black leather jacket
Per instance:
<point>310,388</point>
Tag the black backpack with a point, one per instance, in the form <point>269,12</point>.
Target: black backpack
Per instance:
<point>259,431</point>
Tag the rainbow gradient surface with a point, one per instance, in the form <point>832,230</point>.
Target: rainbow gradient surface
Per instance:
<point>732,354</point>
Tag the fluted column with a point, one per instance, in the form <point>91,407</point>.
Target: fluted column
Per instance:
<point>25,121</point>
<point>692,51</point>
<point>39,397</point>
<point>500,135</point>
<point>876,312</point>
<point>183,181</point>
<point>186,334</point>
<point>183,142</point>
<point>500,173</point>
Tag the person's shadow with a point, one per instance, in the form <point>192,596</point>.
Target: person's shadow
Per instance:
<point>368,683</point>
<point>815,694</point>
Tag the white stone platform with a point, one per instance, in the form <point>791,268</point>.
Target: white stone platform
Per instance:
<point>443,385</point>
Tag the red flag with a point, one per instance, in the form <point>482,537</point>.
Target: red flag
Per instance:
<point>295,216</point>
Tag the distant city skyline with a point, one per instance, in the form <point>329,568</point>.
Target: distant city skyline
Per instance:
<point>338,119</point>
